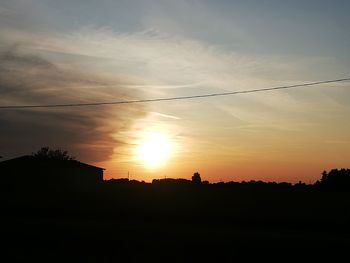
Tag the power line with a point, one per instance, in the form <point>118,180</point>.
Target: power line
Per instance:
<point>172,98</point>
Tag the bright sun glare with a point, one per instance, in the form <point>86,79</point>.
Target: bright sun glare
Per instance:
<point>153,149</point>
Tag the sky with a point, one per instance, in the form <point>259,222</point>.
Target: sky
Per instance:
<point>94,51</point>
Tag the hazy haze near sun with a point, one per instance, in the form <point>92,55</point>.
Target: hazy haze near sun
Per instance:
<point>82,51</point>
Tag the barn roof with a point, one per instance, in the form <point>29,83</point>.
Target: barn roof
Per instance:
<point>28,158</point>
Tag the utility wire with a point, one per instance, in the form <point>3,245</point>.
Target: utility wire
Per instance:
<point>173,98</point>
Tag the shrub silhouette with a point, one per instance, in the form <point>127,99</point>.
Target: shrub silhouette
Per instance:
<point>47,153</point>
<point>196,178</point>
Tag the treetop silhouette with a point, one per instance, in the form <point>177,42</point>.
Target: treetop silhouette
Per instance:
<point>58,154</point>
<point>196,178</point>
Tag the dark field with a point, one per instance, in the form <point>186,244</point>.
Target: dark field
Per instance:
<point>175,223</point>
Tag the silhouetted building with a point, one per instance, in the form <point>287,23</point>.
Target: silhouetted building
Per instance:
<point>29,171</point>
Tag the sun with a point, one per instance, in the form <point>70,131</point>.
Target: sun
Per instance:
<point>153,149</point>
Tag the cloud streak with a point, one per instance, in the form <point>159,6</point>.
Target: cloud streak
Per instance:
<point>26,77</point>
<point>97,64</point>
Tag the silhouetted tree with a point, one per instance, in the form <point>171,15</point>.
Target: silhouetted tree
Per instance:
<point>196,178</point>
<point>47,153</point>
<point>336,179</point>
<point>324,176</point>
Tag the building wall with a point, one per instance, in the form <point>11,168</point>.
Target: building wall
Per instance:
<point>49,174</point>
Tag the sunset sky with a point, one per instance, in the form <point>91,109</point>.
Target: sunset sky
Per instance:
<point>110,50</point>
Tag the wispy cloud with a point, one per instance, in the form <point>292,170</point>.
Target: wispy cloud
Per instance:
<point>30,78</point>
<point>95,64</point>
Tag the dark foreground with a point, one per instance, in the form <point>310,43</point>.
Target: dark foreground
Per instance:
<point>174,223</point>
